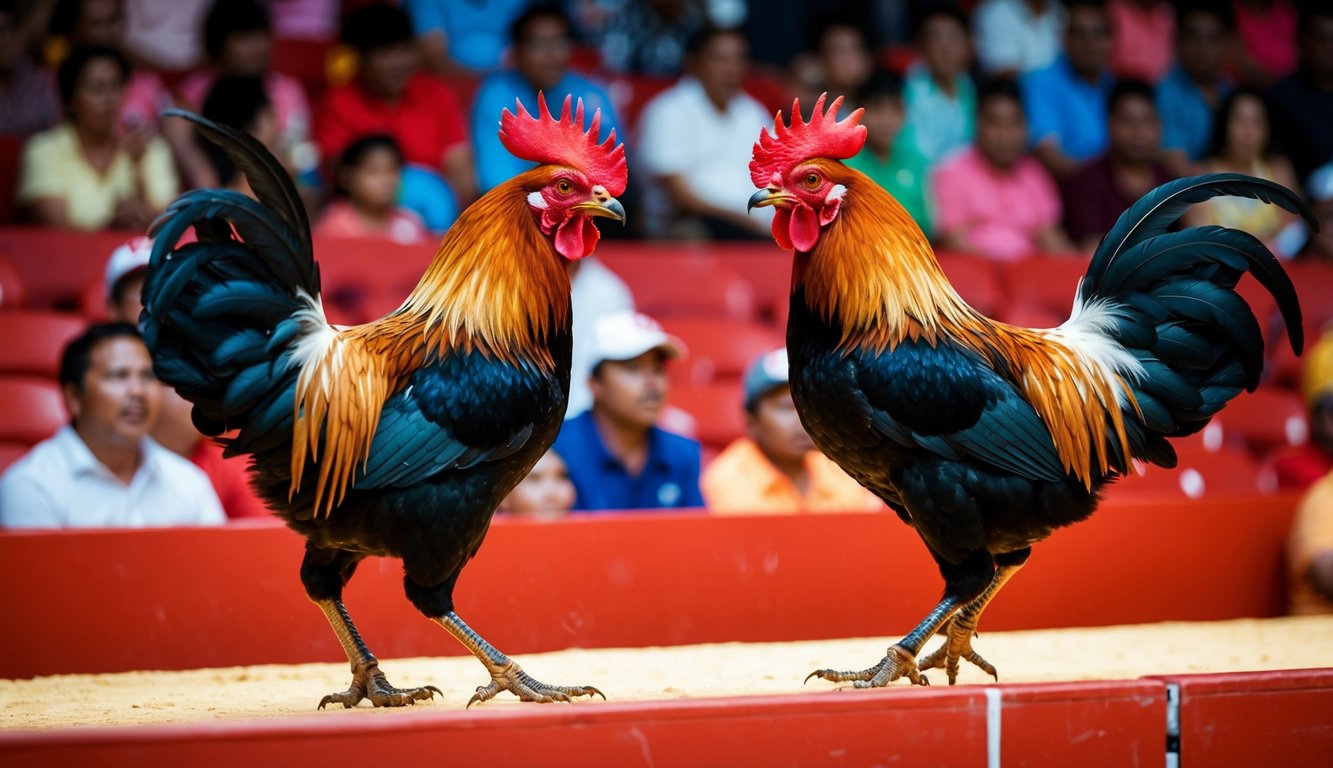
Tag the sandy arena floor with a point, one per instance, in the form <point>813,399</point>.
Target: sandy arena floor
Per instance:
<point>637,674</point>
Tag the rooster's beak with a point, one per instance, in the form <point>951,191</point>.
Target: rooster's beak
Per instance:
<point>608,207</point>
<point>769,196</point>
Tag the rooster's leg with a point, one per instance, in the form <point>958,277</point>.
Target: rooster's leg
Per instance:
<point>963,625</point>
<point>324,572</point>
<point>507,675</point>
<point>368,681</point>
<point>964,580</point>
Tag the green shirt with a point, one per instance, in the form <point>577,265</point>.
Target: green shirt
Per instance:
<point>904,175</point>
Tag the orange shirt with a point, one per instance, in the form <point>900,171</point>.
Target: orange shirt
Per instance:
<point>1311,533</point>
<point>741,480</point>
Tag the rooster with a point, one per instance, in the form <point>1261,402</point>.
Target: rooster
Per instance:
<point>398,437</point>
<point>982,436</point>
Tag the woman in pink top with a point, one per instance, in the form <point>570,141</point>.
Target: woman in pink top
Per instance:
<point>1141,40</point>
<point>368,175</point>
<point>993,198</point>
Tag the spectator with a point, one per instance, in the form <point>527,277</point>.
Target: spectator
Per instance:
<point>369,173</point>
<point>1013,37</point>
<point>545,494</point>
<point>775,467</point>
<point>84,173</point>
<point>1100,191</point>
<point>28,101</point>
<point>1066,102</point>
<point>238,39</point>
<point>1189,94</point>
<point>895,165</point>
<point>617,457</point>
<point>165,35</point>
<point>242,103</point>
<point>1141,34</point>
<point>1302,103</point>
<point>1266,29</point>
<point>1298,467</point>
<point>543,43</point>
<point>1319,245</point>
<point>390,96</point>
<point>647,38</point>
<point>174,427</point>
<point>974,185</point>
<point>694,184</point>
<point>940,97</point>
<point>597,292</point>
<point>102,470</point>
<point>845,58</point>
<point>1242,143</point>
<point>464,39</point>
<point>1310,552</point>
<point>101,23</point>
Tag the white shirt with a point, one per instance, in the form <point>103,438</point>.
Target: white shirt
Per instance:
<point>60,484</point>
<point>1007,35</point>
<point>682,133</point>
<point>597,291</point>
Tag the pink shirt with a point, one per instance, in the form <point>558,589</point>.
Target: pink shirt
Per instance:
<point>997,212</point>
<point>144,98</point>
<point>1269,37</point>
<point>285,94</point>
<point>340,220</point>
<point>1142,40</point>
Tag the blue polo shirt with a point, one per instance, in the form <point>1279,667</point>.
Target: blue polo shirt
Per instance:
<point>1064,106</point>
<point>670,477</point>
<point>1187,119</point>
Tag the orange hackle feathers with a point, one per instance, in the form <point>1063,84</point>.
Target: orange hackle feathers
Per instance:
<point>544,139</point>
<point>873,275</point>
<point>823,136</point>
<point>495,286</point>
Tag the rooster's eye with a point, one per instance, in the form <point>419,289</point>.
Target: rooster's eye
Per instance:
<point>564,187</point>
<point>811,180</point>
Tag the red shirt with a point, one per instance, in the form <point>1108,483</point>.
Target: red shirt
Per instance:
<point>426,121</point>
<point>230,480</point>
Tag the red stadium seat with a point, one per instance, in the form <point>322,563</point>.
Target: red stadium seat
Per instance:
<point>11,452</point>
<point>305,60</point>
<point>1198,474</point>
<point>34,339</point>
<point>11,286</point>
<point>717,411</point>
<point>31,409</point>
<point>1268,418</point>
<point>679,284</point>
<point>976,279</point>
<point>10,148</point>
<point>717,348</point>
<point>1043,283</point>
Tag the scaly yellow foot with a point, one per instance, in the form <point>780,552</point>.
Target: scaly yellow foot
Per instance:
<point>899,662</point>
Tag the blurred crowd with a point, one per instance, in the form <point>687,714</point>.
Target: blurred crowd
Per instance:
<point>1006,128</point>
<point>386,114</point>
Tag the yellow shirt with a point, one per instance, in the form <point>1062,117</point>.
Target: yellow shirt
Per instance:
<point>741,480</point>
<point>54,167</point>
<point>1311,533</point>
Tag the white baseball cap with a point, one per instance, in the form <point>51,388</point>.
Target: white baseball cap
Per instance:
<point>128,258</point>
<point>626,335</point>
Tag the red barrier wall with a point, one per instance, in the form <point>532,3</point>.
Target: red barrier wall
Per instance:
<point>104,601</point>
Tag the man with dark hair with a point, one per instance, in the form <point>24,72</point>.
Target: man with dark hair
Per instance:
<point>616,455</point>
<point>694,145</point>
<point>103,470</point>
<point>1189,95</point>
<point>390,95</point>
<point>974,186</point>
<point>1302,103</point>
<point>1100,191</point>
<point>938,90</point>
<point>1066,102</point>
<point>542,45</point>
<point>897,166</point>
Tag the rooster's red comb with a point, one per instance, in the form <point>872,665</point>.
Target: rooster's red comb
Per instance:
<point>544,139</point>
<point>824,136</point>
